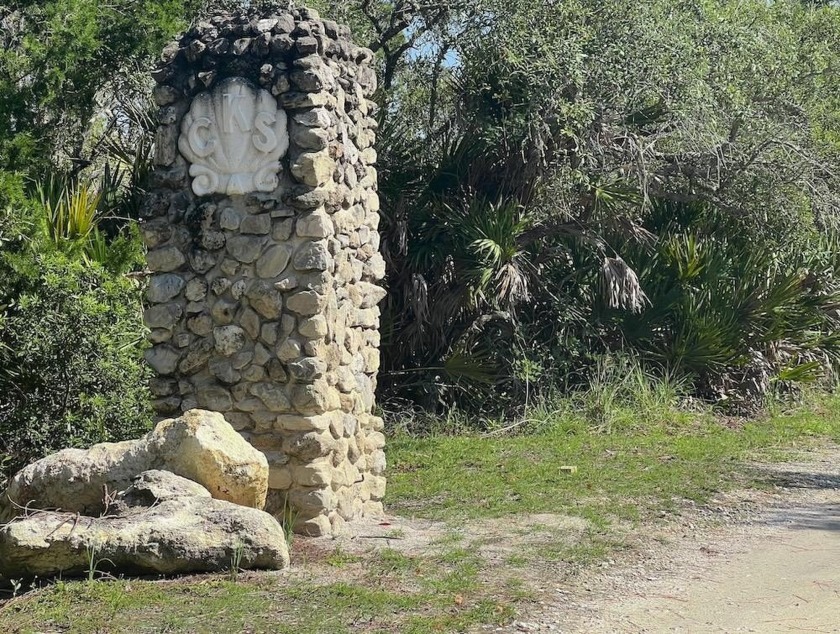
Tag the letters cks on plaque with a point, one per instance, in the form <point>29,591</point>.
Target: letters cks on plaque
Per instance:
<point>234,137</point>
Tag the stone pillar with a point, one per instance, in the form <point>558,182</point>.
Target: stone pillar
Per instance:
<point>261,229</point>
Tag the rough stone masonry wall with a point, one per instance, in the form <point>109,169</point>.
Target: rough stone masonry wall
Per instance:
<point>263,300</point>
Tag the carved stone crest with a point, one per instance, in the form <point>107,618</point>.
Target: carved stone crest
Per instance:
<point>234,137</point>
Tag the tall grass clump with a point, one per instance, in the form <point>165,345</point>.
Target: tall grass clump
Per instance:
<point>622,394</point>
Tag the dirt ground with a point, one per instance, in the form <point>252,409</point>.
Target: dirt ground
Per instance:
<point>754,561</point>
<point>751,561</point>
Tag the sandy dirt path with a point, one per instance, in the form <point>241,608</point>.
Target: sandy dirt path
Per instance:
<point>764,562</point>
<point>782,578</point>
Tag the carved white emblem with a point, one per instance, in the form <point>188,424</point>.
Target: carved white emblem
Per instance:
<point>234,137</point>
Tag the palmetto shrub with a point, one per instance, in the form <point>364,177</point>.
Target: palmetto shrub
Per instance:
<point>463,278</point>
<point>737,319</point>
<point>83,219</point>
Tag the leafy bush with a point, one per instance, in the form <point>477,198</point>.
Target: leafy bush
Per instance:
<point>71,340</point>
<point>734,318</point>
<point>65,68</point>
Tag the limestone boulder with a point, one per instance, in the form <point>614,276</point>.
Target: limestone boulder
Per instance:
<point>153,487</point>
<point>74,479</point>
<point>198,445</point>
<point>203,447</point>
<point>164,524</point>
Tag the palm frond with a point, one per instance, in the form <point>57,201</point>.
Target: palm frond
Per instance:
<point>620,286</point>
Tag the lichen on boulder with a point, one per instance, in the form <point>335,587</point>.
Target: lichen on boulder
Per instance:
<point>187,497</point>
<point>198,445</point>
<point>162,524</point>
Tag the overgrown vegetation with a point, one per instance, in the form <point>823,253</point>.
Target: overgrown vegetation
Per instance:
<point>602,221</point>
<point>73,160</point>
<point>564,185</point>
<point>71,331</point>
<point>582,179</point>
<point>742,323</point>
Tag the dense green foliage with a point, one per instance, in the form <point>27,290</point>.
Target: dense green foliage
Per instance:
<point>527,196</point>
<point>71,336</point>
<point>73,99</point>
<point>563,183</point>
<point>67,66</point>
<point>736,319</point>
<point>69,343</point>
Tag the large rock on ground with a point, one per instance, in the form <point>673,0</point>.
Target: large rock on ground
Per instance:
<point>165,525</point>
<point>199,445</point>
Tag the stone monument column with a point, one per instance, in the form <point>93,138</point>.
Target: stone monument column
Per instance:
<point>261,229</point>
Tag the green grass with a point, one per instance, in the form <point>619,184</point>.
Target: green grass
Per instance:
<point>631,474</point>
<point>649,462</point>
<point>391,592</point>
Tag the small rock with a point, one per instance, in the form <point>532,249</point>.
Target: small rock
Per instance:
<point>265,299</point>
<point>315,225</point>
<point>256,225</point>
<point>245,249</point>
<point>163,288</point>
<point>307,45</point>
<point>162,316</point>
<point>274,261</point>
<point>228,339</point>
<point>196,290</point>
<point>163,359</point>
<point>272,395</point>
<point>240,46</point>
<point>165,260</point>
<point>312,256</point>
<point>230,219</point>
<point>313,168</point>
